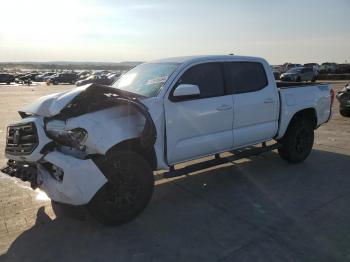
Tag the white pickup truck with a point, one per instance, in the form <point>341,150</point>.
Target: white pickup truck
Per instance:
<point>98,146</point>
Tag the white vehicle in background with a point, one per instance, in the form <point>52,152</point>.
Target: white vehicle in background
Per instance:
<point>97,146</point>
<point>298,74</point>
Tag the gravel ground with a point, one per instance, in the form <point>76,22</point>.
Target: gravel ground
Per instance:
<point>256,209</point>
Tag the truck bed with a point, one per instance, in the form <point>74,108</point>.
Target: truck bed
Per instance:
<point>295,97</point>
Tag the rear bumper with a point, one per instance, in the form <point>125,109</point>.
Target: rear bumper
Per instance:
<point>81,178</point>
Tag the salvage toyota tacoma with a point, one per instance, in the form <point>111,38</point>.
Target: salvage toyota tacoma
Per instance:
<point>97,146</point>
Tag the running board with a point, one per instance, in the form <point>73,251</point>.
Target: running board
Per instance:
<point>237,154</point>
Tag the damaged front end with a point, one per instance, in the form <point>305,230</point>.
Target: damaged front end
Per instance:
<point>54,145</point>
<point>23,171</point>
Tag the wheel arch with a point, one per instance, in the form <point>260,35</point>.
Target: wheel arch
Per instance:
<point>309,113</point>
<point>135,145</point>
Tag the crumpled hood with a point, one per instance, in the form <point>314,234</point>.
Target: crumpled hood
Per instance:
<point>51,105</point>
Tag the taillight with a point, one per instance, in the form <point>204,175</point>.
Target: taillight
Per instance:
<point>332,96</point>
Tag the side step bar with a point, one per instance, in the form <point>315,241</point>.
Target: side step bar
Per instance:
<point>237,154</point>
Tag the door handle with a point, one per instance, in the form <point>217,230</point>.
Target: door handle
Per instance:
<point>223,107</point>
<point>268,100</point>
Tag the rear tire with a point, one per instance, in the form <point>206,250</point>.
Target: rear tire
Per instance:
<point>298,79</point>
<point>128,190</point>
<point>297,143</point>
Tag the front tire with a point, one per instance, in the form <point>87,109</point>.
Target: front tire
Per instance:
<point>297,143</point>
<point>128,190</point>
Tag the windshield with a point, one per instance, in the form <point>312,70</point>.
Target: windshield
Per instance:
<point>294,70</point>
<point>146,79</point>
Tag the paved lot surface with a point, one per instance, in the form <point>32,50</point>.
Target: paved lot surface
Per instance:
<point>257,209</point>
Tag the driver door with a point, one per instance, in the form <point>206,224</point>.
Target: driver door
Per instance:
<point>199,126</point>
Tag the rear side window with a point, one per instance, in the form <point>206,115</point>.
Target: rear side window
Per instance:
<point>208,77</point>
<point>243,77</point>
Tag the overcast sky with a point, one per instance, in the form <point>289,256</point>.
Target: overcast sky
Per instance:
<point>111,30</point>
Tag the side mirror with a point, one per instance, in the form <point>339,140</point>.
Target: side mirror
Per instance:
<point>186,91</point>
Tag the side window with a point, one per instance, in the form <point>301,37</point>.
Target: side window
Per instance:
<point>243,77</point>
<point>208,77</point>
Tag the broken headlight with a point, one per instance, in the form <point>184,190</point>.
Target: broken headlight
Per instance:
<point>74,138</point>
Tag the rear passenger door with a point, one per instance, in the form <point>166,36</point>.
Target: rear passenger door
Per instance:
<point>200,126</point>
<point>255,103</point>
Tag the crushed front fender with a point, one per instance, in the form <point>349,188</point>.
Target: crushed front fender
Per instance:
<point>81,179</point>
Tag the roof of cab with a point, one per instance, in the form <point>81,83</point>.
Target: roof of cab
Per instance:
<point>199,58</point>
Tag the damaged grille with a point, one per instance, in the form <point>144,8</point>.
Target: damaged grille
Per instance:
<point>21,139</point>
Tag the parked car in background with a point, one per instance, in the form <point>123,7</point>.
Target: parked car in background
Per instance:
<point>99,79</point>
<point>7,78</point>
<point>315,66</point>
<point>84,74</point>
<point>24,79</point>
<point>343,69</point>
<point>92,79</point>
<point>43,77</point>
<point>288,66</point>
<point>343,97</point>
<point>18,76</point>
<point>298,74</point>
<point>32,75</point>
<point>69,78</point>
<point>102,72</point>
<point>328,68</point>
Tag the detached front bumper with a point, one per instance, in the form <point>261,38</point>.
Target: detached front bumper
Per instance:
<point>80,181</point>
<point>22,171</point>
